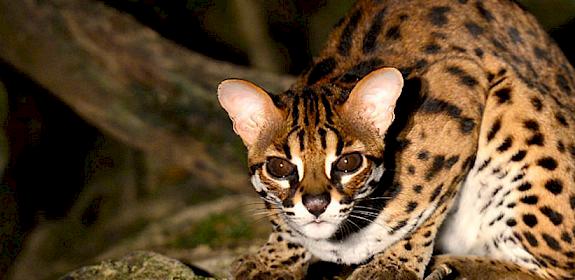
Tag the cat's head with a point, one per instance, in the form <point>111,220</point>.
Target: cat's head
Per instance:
<point>312,155</point>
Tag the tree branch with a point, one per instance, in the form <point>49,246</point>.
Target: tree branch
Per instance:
<point>130,82</point>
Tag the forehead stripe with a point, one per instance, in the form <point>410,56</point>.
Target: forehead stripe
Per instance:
<point>327,107</point>
<point>339,146</point>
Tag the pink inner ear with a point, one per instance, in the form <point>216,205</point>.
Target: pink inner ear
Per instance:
<point>249,107</point>
<point>374,97</point>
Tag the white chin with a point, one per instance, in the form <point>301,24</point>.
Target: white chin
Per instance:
<point>322,230</point>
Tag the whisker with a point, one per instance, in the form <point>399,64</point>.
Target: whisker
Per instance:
<point>370,221</point>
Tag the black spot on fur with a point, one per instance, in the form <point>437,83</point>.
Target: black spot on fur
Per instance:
<point>555,217</point>
<point>503,95</point>
<point>431,48</point>
<point>475,30</point>
<point>348,33</point>
<point>561,119</point>
<point>370,40</point>
<point>423,155</point>
<point>555,186</point>
<point>514,35</point>
<point>486,14</point>
<point>505,145</point>
<point>437,15</point>
<point>417,188</point>
<point>537,139</point>
<point>531,239</point>
<point>360,70</point>
<point>432,105</point>
<point>494,129</point>
<point>435,193</point>
<point>479,52</point>
<point>463,76</point>
<point>511,222</point>
<point>551,242</point>
<point>530,220</point>
<point>436,166</point>
<point>411,206</point>
<point>451,161</point>
<point>536,102</point>
<point>519,155</point>
<point>572,201</point>
<point>541,54</point>
<point>393,33</point>
<point>530,200</point>
<point>321,69</point>
<point>524,187</point>
<point>562,83</point>
<point>548,163</point>
<point>531,125</point>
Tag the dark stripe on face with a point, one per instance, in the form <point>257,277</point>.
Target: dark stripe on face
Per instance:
<point>327,107</point>
<point>348,33</point>
<point>295,109</point>
<point>300,137</point>
<point>286,150</point>
<point>254,167</point>
<point>322,136</point>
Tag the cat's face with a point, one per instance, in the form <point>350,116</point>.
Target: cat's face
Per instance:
<point>312,158</point>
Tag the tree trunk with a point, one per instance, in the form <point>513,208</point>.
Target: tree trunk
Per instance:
<point>130,82</point>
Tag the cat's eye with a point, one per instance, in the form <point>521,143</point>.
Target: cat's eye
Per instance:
<point>348,163</point>
<point>280,168</point>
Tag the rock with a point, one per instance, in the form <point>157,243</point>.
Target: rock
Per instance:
<point>139,265</point>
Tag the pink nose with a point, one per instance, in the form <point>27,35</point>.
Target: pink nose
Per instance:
<point>316,204</point>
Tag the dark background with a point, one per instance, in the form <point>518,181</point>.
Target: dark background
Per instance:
<point>53,153</point>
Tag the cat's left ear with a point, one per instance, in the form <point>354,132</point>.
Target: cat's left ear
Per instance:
<point>374,97</point>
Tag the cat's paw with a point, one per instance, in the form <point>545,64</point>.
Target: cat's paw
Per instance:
<point>249,267</point>
<point>376,271</point>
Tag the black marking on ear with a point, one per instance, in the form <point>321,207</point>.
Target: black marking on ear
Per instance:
<point>370,40</point>
<point>346,39</point>
<point>486,14</point>
<point>321,70</point>
<point>437,15</point>
<point>360,70</point>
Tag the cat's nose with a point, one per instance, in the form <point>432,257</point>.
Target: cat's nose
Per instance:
<point>316,204</point>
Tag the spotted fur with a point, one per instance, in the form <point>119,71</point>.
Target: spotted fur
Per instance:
<point>476,162</point>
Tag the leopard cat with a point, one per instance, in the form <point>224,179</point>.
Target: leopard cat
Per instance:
<point>430,139</point>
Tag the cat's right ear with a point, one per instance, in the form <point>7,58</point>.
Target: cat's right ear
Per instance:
<point>250,108</point>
